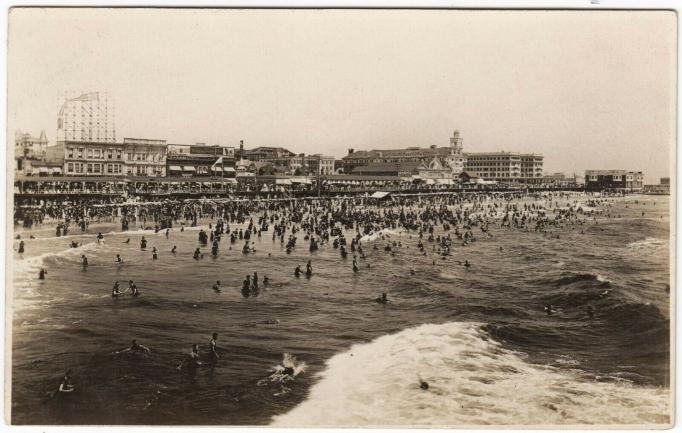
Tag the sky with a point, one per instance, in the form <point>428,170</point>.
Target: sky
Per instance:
<point>587,89</point>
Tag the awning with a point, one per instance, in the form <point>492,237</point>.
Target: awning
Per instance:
<point>175,168</point>
<point>189,168</point>
<point>230,169</point>
<point>230,180</point>
<point>42,170</point>
<point>216,168</point>
<point>444,181</point>
<point>430,181</point>
<point>283,181</point>
<point>56,170</point>
<point>380,194</point>
<point>35,171</point>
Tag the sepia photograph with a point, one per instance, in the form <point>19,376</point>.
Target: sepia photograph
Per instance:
<point>369,218</point>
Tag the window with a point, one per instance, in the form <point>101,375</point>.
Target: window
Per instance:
<point>69,167</point>
<point>98,153</point>
<point>97,167</point>
<point>70,152</point>
<point>80,152</point>
<point>89,166</point>
<point>110,168</point>
<point>118,153</point>
<point>130,156</point>
<point>89,153</point>
<point>110,153</point>
<point>141,170</point>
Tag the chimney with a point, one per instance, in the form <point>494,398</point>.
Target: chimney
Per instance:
<point>350,151</point>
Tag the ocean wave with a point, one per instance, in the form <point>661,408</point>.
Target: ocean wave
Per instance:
<point>472,380</point>
<point>649,243</point>
<point>377,235</point>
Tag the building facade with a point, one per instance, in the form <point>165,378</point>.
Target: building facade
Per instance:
<point>87,118</point>
<point>452,156</point>
<point>596,180</point>
<point>94,159</point>
<point>28,146</point>
<point>507,167</point>
<point>200,160</point>
<point>320,164</point>
<point>274,155</point>
<point>144,157</point>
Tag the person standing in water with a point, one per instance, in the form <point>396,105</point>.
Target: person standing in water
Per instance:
<point>84,260</point>
<point>119,260</point>
<point>21,247</point>
<point>214,348</point>
<point>41,274</point>
<point>116,291</point>
<point>133,289</point>
<point>309,269</point>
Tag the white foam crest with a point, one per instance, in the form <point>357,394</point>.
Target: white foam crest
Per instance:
<point>649,243</point>
<point>34,263</point>
<point>472,381</point>
<point>376,235</point>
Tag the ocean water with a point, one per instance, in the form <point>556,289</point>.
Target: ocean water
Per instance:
<point>478,336</point>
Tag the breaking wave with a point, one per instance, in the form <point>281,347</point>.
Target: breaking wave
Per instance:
<point>472,380</point>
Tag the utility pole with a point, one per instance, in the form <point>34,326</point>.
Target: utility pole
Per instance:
<point>319,172</point>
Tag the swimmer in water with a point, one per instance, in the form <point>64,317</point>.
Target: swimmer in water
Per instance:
<point>134,347</point>
<point>119,259</point>
<point>116,291</point>
<point>84,260</point>
<point>266,280</point>
<point>65,386</point>
<point>192,359</point>
<point>548,309</point>
<point>174,249</point>
<point>154,254</point>
<point>217,287</point>
<point>127,241</point>
<point>297,271</point>
<point>467,264</point>
<point>383,299</point>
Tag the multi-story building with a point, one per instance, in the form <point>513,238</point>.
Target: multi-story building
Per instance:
<point>452,155</point>
<point>274,155</point>
<point>320,164</point>
<point>144,157</point>
<point>505,167</point>
<point>185,160</point>
<point>83,158</point>
<point>613,179</point>
<point>133,157</point>
<point>87,118</point>
<point>28,146</point>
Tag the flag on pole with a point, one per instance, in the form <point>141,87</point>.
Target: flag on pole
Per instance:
<point>219,161</point>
